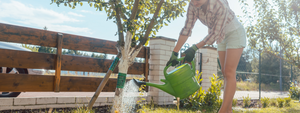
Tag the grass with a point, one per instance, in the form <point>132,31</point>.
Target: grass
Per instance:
<point>293,108</point>
<point>165,110</point>
<point>246,86</point>
<point>252,86</point>
<point>78,110</point>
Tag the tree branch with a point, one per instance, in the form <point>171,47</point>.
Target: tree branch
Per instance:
<point>144,40</point>
<point>133,15</point>
<point>290,61</point>
<point>134,9</point>
<point>120,26</point>
<point>123,16</point>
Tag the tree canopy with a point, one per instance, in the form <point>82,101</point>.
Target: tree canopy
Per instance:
<point>273,25</point>
<point>139,19</point>
<point>135,15</point>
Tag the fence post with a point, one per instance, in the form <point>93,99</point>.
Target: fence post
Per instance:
<point>291,73</point>
<point>58,62</point>
<point>280,78</point>
<point>259,66</point>
<point>146,73</point>
<point>209,64</point>
<point>160,50</point>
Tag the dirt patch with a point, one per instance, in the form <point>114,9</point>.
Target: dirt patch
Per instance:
<point>254,104</point>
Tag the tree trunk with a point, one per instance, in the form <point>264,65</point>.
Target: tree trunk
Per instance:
<point>128,55</point>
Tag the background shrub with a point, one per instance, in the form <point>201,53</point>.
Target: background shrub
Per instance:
<point>265,101</point>
<point>208,101</point>
<point>220,101</point>
<point>234,102</point>
<point>294,91</point>
<point>246,101</point>
<point>280,102</point>
<point>287,101</point>
<point>273,102</point>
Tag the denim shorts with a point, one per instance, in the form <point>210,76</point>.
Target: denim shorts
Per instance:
<point>233,40</point>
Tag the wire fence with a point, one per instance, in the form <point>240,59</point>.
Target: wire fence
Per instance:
<point>265,72</point>
<point>264,75</point>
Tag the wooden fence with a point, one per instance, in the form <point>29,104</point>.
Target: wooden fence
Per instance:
<point>58,62</point>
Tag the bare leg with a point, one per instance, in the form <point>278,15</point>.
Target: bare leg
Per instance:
<point>222,60</point>
<point>232,58</point>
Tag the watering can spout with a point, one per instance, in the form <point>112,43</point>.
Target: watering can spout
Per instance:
<point>139,83</point>
<point>165,87</point>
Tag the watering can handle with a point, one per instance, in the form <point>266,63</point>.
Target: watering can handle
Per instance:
<point>167,67</point>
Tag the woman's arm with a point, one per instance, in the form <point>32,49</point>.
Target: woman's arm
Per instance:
<point>187,29</point>
<point>181,40</point>
<point>200,44</point>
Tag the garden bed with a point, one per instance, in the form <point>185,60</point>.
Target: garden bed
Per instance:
<point>255,103</point>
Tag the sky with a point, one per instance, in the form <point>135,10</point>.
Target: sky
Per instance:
<point>85,20</point>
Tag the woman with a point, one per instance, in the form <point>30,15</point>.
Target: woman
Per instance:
<point>225,30</point>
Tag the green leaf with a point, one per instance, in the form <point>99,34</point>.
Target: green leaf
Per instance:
<point>146,44</point>
<point>165,24</point>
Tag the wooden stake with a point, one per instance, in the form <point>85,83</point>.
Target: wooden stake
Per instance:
<point>104,81</point>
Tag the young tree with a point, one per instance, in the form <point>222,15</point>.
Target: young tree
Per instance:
<point>244,65</point>
<point>32,48</point>
<point>274,24</point>
<point>138,19</point>
<point>43,49</point>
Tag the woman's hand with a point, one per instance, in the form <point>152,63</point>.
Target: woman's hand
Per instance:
<point>190,53</point>
<point>173,59</point>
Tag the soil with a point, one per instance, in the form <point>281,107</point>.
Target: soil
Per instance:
<point>254,104</point>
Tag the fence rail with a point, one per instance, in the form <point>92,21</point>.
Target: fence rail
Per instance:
<point>24,35</point>
<point>24,59</point>
<point>44,83</point>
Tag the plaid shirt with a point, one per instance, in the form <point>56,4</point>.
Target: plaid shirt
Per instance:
<point>217,16</point>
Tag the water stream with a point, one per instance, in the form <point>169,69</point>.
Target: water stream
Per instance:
<point>128,97</point>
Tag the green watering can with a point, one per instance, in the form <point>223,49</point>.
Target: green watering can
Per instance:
<point>180,82</point>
